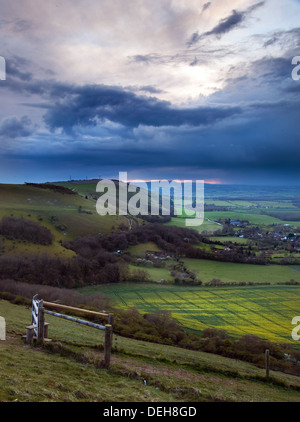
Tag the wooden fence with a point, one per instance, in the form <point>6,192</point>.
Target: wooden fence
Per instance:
<point>38,330</point>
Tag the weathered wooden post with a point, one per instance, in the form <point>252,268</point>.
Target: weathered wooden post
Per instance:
<point>107,345</point>
<point>46,329</point>
<point>110,319</point>
<point>267,356</point>
<point>41,321</point>
<point>29,334</point>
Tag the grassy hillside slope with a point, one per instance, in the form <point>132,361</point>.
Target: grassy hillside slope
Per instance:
<point>67,216</point>
<point>65,370</point>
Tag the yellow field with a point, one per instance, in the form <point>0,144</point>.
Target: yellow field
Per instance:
<point>264,311</point>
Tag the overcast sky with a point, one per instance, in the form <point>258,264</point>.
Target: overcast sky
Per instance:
<point>177,89</point>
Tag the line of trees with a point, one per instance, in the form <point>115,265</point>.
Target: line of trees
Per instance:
<point>55,188</point>
<point>175,240</point>
<point>58,272</point>
<point>23,229</point>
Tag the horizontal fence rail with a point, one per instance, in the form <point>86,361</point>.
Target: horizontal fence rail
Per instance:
<point>71,308</point>
<point>79,321</point>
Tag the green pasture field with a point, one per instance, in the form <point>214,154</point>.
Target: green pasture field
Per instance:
<point>241,203</point>
<point>140,249</point>
<point>218,203</point>
<point>288,204</point>
<point>253,218</point>
<point>207,247</point>
<point>264,311</point>
<point>236,272</point>
<point>206,226</point>
<point>229,272</point>
<point>278,205</point>
<point>155,274</point>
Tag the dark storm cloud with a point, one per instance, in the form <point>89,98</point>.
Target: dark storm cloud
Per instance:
<point>287,40</point>
<point>144,58</point>
<point>252,136</point>
<point>194,62</point>
<point>13,127</point>
<point>265,139</point>
<point>20,79</point>
<point>190,57</point>
<point>270,41</point>
<point>144,88</point>
<point>150,89</point>
<point>227,24</point>
<point>70,105</point>
<point>87,105</point>
<point>270,69</point>
<point>267,80</point>
<point>206,6</point>
<point>15,68</point>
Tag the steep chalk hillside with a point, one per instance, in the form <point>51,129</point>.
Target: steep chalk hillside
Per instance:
<point>66,215</point>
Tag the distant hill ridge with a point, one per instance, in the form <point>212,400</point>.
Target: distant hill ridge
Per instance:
<point>56,188</point>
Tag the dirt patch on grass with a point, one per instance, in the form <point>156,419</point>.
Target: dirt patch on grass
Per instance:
<point>159,369</point>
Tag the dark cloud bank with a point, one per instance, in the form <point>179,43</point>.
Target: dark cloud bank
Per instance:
<point>249,138</point>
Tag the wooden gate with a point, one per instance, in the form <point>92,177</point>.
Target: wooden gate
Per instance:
<point>39,328</point>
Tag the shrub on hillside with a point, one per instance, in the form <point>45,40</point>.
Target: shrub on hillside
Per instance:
<point>57,272</point>
<point>138,275</point>
<point>22,229</point>
<point>17,292</point>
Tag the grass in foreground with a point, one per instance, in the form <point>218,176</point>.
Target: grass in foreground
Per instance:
<point>66,370</point>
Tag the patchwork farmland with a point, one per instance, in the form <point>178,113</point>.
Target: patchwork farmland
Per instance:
<point>264,311</point>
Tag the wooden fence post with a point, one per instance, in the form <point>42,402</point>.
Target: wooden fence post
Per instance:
<point>29,334</point>
<point>107,345</point>
<point>267,356</point>
<point>110,319</point>
<point>41,321</point>
<point>46,327</point>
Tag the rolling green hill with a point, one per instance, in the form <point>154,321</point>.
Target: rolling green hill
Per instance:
<point>67,216</point>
